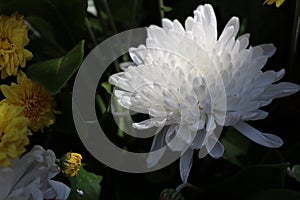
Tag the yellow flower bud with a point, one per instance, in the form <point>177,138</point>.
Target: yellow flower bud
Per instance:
<point>71,163</point>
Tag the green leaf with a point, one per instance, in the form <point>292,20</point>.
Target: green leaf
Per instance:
<point>166,8</point>
<point>45,31</point>
<point>235,147</point>
<point>100,104</point>
<point>107,87</point>
<point>296,172</point>
<point>53,74</point>
<point>94,23</point>
<point>251,180</point>
<point>239,150</point>
<point>275,194</point>
<point>272,156</point>
<point>242,152</point>
<point>88,183</point>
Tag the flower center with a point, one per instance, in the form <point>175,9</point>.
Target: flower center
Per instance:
<point>6,46</point>
<point>31,107</point>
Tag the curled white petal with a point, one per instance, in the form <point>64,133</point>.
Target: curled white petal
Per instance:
<point>156,151</point>
<point>185,164</point>
<point>265,139</point>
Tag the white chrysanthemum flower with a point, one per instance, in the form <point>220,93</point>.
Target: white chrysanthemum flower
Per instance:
<point>193,83</point>
<point>30,177</point>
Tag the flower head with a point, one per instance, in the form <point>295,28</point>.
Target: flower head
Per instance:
<point>13,39</point>
<point>192,83</point>
<point>277,2</point>
<point>37,102</point>
<point>13,133</point>
<point>29,177</point>
<point>71,163</point>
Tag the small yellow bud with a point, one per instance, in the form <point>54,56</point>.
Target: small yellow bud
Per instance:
<point>71,163</point>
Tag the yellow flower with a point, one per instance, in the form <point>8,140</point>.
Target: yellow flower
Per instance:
<point>13,133</point>
<point>278,2</point>
<point>13,38</point>
<point>71,163</point>
<point>37,102</point>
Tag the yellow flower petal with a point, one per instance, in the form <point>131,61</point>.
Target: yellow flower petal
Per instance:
<point>277,2</point>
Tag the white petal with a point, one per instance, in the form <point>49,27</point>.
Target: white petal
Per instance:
<point>170,99</point>
<point>198,140</point>
<point>185,164</point>
<point>211,125</point>
<point>265,79</point>
<point>158,111</point>
<point>217,151</point>
<point>125,65</point>
<point>259,62</point>
<point>279,90</point>
<point>268,49</point>
<point>279,74</point>
<point>8,176</point>
<point>233,22</point>
<point>232,118</point>
<point>136,54</point>
<point>226,35</point>
<point>181,138</point>
<point>189,23</point>
<point>156,151</point>
<point>166,23</point>
<point>155,34</point>
<point>255,115</point>
<point>178,27</point>
<point>244,41</point>
<point>16,194</point>
<point>232,101</point>
<point>170,133</point>
<point>202,152</point>
<point>62,191</point>
<point>149,123</point>
<point>265,139</point>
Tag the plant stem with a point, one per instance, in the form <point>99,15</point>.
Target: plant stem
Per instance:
<point>162,13</point>
<point>134,11</point>
<point>113,27</point>
<point>110,17</point>
<point>91,32</point>
<point>97,6</point>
